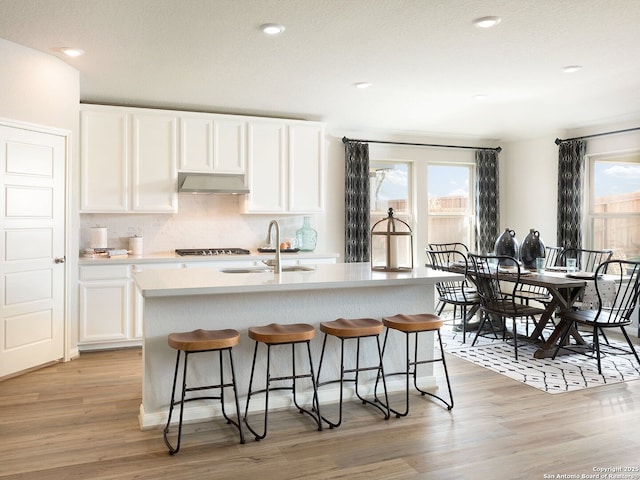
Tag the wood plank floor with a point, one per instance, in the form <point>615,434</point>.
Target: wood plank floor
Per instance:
<point>78,420</point>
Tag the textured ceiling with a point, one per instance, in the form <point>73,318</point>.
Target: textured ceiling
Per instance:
<point>424,58</point>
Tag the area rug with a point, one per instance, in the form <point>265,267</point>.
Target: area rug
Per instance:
<point>564,374</point>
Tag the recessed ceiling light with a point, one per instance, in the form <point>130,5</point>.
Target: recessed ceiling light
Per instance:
<point>480,97</point>
<point>72,52</point>
<point>362,85</point>
<point>571,68</point>
<point>272,28</point>
<point>486,22</point>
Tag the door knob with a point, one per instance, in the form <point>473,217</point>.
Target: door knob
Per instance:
<point>59,260</point>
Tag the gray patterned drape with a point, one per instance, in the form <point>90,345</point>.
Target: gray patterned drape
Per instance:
<point>356,202</point>
<point>570,191</point>
<point>487,200</point>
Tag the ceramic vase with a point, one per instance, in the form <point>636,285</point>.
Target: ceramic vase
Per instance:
<point>507,244</point>
<point>531,248</point>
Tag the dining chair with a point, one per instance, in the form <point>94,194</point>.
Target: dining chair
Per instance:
<point>586,260</point>
<point>497,288</point>
<point>610,312</point>
<point>459,293</point>
<point>458,246</point>
<point>551,256</point>
<point>535,292</point>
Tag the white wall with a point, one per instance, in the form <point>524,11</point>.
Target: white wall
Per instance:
<point>42,90</point>
<point>529,187</point>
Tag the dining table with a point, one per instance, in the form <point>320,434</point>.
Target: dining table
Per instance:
<point>564,291</point>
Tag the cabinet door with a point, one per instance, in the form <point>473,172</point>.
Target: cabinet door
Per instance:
<point>155,174</point>
<point>229,143</point>
<point>104,161</point>
<point>196,144</point>
<point>105,311</point>
<point>306,169</point>
<point>266,167</point>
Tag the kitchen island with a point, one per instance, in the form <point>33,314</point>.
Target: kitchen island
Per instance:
<point>208,298</point>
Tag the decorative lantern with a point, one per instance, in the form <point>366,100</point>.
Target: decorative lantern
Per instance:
<point>391,245</point>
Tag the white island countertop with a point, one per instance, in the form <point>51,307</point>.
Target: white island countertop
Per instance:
<point>207,281</point>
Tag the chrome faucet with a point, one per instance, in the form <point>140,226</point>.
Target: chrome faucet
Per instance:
<point>275,263</point>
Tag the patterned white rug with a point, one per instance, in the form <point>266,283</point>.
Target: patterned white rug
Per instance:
<point>564,374</point>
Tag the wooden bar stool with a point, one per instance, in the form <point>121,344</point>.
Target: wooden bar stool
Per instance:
<point>276,335</point>
<point>201,341</point>
<point>416,324</point>
<point>346,329</point>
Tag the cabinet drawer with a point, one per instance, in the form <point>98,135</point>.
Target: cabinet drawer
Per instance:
<point>104,272</point>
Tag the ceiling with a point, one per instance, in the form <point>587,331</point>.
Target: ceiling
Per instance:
<point>424,58</point>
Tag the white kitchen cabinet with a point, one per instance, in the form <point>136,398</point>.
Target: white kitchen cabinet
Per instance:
<point>110,306</point>
<point>285,167</point>
<point>306,168</point>
<point>266,167</point>
<point>104,160</point>
<point>128,160</point>
<point>212,143</point>
<point>105,306</point>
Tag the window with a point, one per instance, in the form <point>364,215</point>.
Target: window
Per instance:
<point>451,203</point>
<point>614,205</point>
<point>389,183</point>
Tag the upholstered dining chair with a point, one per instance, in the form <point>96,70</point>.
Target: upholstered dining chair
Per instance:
<point>612,311</point>
<point>459,293</point>
<point>498,299</point>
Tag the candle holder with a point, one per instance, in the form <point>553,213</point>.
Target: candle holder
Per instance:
<point>391,245</point>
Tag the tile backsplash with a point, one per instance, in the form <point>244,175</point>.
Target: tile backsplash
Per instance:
<point>203,221</point>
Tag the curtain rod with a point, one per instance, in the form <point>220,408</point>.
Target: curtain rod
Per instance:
<point>559,141</point>
<point>346,140</point>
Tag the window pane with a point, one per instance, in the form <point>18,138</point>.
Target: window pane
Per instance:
<point>389,183</point>
<point>618,234</point>
<point>448,188</point>
<point>449,229</point>
<point>616,187</point>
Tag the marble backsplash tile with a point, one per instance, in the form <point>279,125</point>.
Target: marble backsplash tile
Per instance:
<point>203,221</point>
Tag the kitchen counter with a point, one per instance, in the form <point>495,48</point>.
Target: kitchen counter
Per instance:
<point>186,299</point>
<point>172,257</point>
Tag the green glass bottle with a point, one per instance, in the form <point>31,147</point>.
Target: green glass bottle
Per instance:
<point>306,236</point>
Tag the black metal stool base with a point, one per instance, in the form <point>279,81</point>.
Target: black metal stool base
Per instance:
<point>315,409</point>
<point>221,386</point>
<point>411,370</point>
<point>383,407</point>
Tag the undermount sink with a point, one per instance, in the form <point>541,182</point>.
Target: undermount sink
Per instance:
<point>288,268</point>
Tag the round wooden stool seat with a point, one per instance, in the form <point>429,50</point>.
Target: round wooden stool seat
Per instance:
<point>413,323</point>
<point>275,333</point>
<point>201,340</point>
<point>352,328</point>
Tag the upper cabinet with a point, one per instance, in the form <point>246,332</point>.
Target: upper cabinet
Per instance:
<point>212,143</point>
<point>285,167</point>
<point>128,160</point>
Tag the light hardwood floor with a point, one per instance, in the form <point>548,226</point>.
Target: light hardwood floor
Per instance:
<point>78,420</point>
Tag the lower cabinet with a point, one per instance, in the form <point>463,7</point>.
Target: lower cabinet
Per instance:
<point>110,307</point>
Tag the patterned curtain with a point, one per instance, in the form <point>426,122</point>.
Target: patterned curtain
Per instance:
<point>570,192</point>
<point>356,202</point>
<point>487,200</point>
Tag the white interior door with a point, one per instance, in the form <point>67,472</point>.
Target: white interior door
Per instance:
<point>32,275</point>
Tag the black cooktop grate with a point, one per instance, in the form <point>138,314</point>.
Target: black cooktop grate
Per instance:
<point>211,251</point>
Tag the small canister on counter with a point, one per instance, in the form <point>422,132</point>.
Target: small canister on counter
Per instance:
<point>135,245</point>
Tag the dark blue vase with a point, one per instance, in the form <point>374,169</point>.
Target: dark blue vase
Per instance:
<point>507,244</point>
<point>531,248</point>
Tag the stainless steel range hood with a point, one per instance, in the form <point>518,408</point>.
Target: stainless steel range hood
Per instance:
<point>211,183</point>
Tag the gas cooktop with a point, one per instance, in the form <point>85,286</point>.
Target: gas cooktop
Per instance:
<point>211,251</point>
